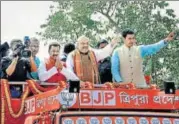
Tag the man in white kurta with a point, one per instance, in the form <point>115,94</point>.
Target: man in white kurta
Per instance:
<point>83,61</point>
<point>127,60</point>
<point>52,70</point>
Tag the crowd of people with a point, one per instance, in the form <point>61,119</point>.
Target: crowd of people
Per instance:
<point>80,61</point>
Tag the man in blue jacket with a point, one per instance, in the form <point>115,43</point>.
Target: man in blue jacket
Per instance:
<point>127,60</point>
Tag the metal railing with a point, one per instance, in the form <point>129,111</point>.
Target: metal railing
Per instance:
<point>45,84</point>
<point>24,83</point>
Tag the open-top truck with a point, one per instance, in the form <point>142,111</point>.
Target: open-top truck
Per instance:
<point>93,104</point>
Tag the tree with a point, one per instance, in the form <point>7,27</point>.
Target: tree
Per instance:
<point>96,19</point>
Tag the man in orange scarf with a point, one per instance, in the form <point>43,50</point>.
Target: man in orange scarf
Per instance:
<point>53,70</point>
<point>83,61</point>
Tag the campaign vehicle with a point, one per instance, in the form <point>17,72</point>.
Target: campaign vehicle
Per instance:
<point>67,103</point>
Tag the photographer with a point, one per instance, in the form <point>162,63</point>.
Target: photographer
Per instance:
<point>16,67</point>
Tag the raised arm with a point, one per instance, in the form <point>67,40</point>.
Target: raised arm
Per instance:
<point>35,74</point>
<point>103,53</point>
<point>33,65</point>
<point>11,68</point>
<point>107,51</point>
<point>147,50</point>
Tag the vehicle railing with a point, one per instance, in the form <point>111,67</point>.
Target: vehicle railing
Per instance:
<point>24,83</point>
<point>44,84</point>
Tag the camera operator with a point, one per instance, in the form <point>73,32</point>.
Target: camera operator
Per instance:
<point>16,67</point>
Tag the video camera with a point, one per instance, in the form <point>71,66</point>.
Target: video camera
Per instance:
<point>27,41</point>
<point>22,51</point>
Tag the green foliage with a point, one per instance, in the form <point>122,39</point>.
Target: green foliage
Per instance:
<point>151,20</point>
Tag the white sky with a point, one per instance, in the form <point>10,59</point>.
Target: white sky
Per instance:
<point>23,18</point>
<point>20,18</point>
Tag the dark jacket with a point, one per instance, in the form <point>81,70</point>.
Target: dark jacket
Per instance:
<point>105,70</point>
<point>22,69</point>
<point>21,73</point>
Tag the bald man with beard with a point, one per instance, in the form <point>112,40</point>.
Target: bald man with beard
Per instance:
<point>83,61</point>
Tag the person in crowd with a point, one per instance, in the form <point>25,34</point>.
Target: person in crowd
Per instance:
<point>104,65</point>
<point>69,47</point>
<point>34,47</point>
<point>52,69</point>
<point>4,51</point>
<point>17,68</point>
<point>83,61</point>
<point>127,60</point>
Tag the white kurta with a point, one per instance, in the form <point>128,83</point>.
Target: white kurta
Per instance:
<point>131,68</point>
<point>99,54</point>
<point>45,74</point>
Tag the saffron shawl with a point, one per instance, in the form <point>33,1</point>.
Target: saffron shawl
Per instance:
<point>78,67</point>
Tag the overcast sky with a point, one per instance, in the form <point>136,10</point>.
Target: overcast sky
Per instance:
<point>21,18</point>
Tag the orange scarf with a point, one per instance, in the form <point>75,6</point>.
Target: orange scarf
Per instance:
<point>57,77</point>
<point>78,67</point>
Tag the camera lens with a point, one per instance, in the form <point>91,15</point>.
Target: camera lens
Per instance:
<point>26,53</point>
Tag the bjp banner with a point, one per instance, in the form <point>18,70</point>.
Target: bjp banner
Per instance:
<point>145,99</point>
<point>43,102</point>
<point>117,117</point>
<point>126,99</point>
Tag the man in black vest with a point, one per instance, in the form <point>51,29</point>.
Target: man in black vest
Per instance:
<point>105,64</point>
